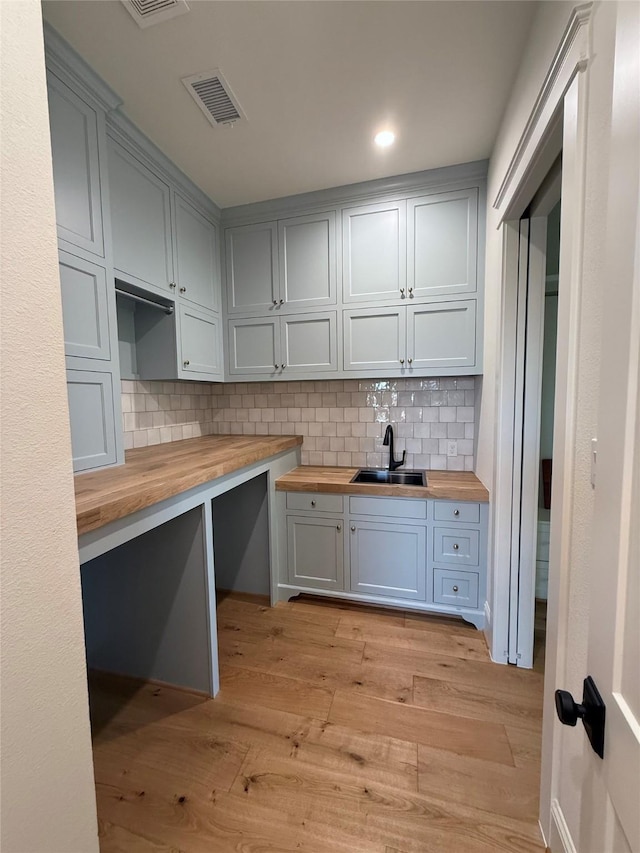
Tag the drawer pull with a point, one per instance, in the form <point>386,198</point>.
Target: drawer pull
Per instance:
<point>313,503</point>
<point>455,588</point>
<point>456,512</point>
<point>456,546</point>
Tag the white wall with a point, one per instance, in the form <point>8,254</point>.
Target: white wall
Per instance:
<point>547,30</point>
<point>48,800</point>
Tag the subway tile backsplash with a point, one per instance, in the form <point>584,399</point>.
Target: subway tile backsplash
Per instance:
<point>342,422</point>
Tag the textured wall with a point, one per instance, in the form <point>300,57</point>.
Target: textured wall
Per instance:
<point>48,800</point>
<point>342,422</point>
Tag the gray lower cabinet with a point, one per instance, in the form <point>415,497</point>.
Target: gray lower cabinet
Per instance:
<point>315,552</point>
<point>91,413</point>
<point>388,559</point>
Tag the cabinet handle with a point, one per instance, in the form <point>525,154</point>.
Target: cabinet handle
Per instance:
<point>339,527</point>
<point>183,290</point>
<point>172,285</point>
<point>410,360</point>
<point>455,588</point>
<point>456,512</point>
<point>455,546</point>
<point>353,528</point>
<point>313,503</point>
<point>402,293</point>
<point>410,293</point>
<point>186,363</point>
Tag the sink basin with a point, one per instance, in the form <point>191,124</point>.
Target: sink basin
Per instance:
<point>385,477</point>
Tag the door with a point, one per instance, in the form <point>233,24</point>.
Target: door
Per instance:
<point>307,255</point>
<point>196,255</point>
<point>76,169</point>
<point>309,343</point>
<point>374,252</point>
<point>315,551</point>
<point>375,339</point>
<point>442,244</point>
<point>254,346</point>
<point>200,345</point>
<point>92,419</point>
<point>140,222</point>
<point>85,311</point>
<point>441,334</point>
<point>251,258</point>
<point>388,559</point>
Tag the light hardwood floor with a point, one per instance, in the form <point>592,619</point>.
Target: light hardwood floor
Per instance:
<point>336,730</point>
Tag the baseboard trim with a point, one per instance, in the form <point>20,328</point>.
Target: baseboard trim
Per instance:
<point>107,677</point>
<point>560,840</point>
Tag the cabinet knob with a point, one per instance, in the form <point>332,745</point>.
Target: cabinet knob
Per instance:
<point>282,302</point>
<point>339,527</point>
<point>183,290</point>
<point>276,366</point>
<point>313,503</point>
<point>275,301</point>
<point>410,293</point>
<point>283,366</point>
<point>456,512</point>
<point>186,363</point>
<point>402,361</point>
<point>455,546</point>
<point>410,360</point>
<point>455,588</point>
<point>402,292</point>
<point>172,285</point>
<point>353,528</point>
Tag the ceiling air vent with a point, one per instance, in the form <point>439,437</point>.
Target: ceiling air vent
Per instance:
<point>213,95</point>
<point>148,12</point>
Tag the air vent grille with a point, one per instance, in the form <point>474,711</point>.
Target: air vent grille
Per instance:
<point>148,12</point>
<point>213,95</point>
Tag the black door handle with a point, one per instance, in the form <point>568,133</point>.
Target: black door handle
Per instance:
<point>592,712</point>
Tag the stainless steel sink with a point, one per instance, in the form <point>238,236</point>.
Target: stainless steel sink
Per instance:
<point>386,477</point>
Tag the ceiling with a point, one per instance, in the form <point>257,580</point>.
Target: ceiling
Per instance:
<point>316,81</point>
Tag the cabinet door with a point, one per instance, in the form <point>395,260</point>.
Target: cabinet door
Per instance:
<point>307,256</point>
<point>309,343</point>
<point>85,312</point>
<point>195,255</point>
<point>200,344</point>
<point>315,552</point>
<point>374,339</point>
<point>254,346</point>
<point>91,414</point>
<point>140,222</point>
<point>374,251</point>
<point>388,559</point>
<point>252,267</point>
<point>442,334</point>
<point>442,243</point>
<point>76,171</point>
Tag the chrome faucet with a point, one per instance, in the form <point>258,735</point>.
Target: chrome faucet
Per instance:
<point>388,440</point>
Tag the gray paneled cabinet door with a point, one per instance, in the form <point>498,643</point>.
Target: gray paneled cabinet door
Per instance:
<point>200,345</point>
<point>76,168</point>
<point>307,260</point>
<point>195,255</point>
<point>442,243</point>
<point>441,334</point>
<point>375,339</point>
<point>252,267</point>
<point>85,310</point>
<point>140,222</point>
<point>91,413</point>
<point>374,252</point>
<point>309,343</point>
<point>315,552</point>
<point>388,559</point>
<point>254,346</point>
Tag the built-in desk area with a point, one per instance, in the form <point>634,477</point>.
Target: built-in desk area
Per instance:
<point>146,533</point>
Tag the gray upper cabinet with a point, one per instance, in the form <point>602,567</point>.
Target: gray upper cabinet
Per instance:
<point>307,260</point>
<point>254,346</point>
<point>441,335</point>
<point>374,249</point>
<point>76,168</point>
<point>442,244</point>
<point>252,267</point>
<point>374,339</point>
<point>196,255</point>
<point>140,222</point>
<point>85,310</point>
<point>200,345</point>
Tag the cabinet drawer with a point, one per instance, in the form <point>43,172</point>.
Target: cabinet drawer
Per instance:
<point>392,507</point>
<point>314,502</point>
<point>458,546</point>
<point>456,511</point>
<point>458,589</point>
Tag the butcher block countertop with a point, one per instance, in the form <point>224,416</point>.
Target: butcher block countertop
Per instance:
<point>444,485</point>
<point>152,474</point>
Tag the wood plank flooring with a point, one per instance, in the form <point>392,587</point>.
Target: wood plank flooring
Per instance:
<point>337,729</point>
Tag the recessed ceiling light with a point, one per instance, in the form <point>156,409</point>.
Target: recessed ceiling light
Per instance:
<point>384,139</point>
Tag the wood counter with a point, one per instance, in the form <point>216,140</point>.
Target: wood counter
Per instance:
<point>152,474</point>
<point>443,485</point>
